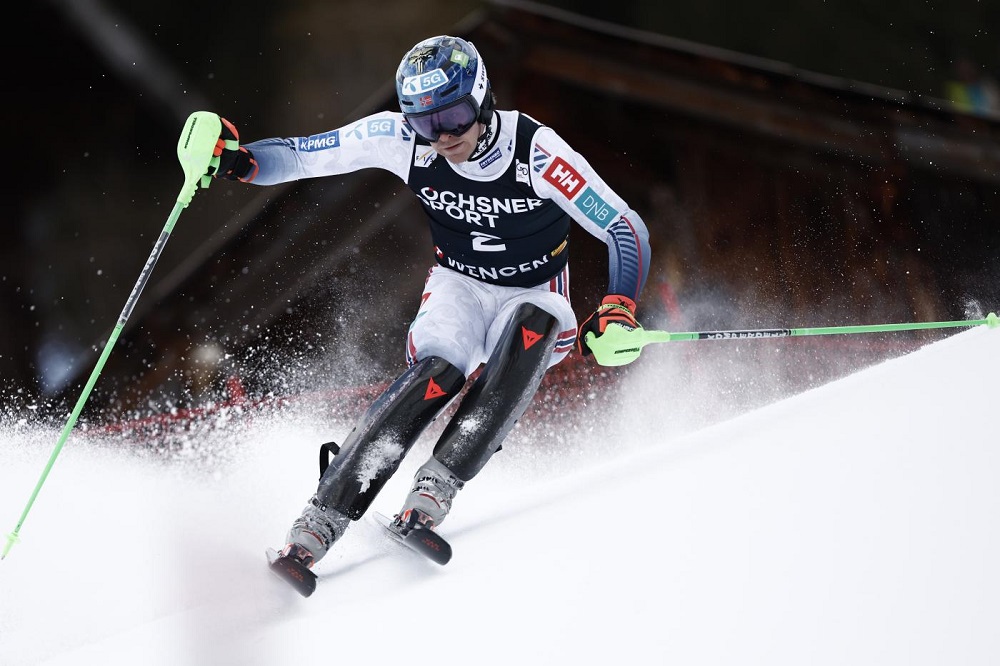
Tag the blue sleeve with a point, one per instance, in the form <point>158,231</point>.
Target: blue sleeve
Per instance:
<point>628,255</point>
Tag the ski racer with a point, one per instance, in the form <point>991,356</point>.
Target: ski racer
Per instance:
<point>500,191</point>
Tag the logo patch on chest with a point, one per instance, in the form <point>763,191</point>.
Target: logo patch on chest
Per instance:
<point>424,156</point>
<point>490,159</point>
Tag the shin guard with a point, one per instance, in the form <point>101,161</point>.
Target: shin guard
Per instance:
<point>387,431</point>
<point>501,394</point>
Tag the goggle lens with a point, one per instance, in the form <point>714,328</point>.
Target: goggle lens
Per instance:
<point>455,120</point>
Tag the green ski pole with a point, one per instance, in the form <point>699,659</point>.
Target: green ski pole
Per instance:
<point>195,151</point>
<point>618,345</point>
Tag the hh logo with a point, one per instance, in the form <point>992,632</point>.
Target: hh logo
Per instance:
<point>564,177</point>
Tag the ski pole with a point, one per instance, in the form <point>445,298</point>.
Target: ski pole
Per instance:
<point>623,346</point>
<point>195,152</point>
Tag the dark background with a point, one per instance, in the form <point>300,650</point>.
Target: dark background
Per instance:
<point>97,91</point>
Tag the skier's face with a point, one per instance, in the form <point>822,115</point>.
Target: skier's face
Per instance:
<point>457,149</point>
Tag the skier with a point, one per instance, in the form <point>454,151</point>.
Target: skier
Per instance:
<point>499,190</point>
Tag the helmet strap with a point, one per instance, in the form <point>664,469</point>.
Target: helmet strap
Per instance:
<point>487,107</point>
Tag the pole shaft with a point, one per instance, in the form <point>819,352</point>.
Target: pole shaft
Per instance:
<point>887,328</point>
<point>822,330</point>
<point>85,394</point>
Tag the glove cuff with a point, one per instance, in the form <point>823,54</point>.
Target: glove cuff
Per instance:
<point>618,301</point>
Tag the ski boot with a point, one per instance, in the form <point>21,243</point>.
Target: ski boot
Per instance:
<point>316,530</point>
<point>309,539</point>
<point>428,504</point>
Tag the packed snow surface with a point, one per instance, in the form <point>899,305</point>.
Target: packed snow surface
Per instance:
<point>856,523</point>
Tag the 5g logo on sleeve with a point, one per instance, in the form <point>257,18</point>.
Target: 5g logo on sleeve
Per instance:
<point>386,127</point>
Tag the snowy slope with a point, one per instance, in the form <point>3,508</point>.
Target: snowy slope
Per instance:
<point>853,524</point>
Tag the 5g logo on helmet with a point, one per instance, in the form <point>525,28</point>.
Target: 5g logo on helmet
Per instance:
<point>421,83</point>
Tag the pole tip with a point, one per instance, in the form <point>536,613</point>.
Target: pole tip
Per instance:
<point>992,321</point>
<point>11,540</point>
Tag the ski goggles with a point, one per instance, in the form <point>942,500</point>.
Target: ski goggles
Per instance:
<point>454,119</point>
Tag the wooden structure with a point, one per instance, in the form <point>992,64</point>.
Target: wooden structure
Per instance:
<point>773,196</point>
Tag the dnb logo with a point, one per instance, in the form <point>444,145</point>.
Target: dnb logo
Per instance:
<point>596,208</point>
<point>383,127</point>
<point>564,177</point>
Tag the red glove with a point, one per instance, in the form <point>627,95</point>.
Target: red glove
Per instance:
<point>234,164</point>
<point>614,309</point>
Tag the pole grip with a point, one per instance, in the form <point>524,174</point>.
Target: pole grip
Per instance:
<point>196,152</point>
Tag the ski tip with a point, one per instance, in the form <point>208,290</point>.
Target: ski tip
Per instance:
<point>292,572</point>
<point>428,543</point>
<point>431,545</point>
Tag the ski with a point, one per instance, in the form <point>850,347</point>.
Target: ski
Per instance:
<point>427,542</point>
<point>292,571</point>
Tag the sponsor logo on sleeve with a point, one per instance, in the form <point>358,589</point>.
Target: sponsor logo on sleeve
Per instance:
<point>355,132</point>
<point>565,178</point>
<point>323,141</point>
<point>383,127</point>
<point>595,208</point>
<point>421,83</point>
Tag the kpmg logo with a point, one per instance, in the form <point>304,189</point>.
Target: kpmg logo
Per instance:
<point>421,83</point>
<point>384,127</point>
<point>596,208</point>
<point>316,142</point>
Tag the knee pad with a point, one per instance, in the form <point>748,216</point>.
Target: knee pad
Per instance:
<point>387,431</point>
<point>501,394</point>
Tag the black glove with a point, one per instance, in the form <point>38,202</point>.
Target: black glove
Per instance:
<point>235,161</point>
<point>614,309</point>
